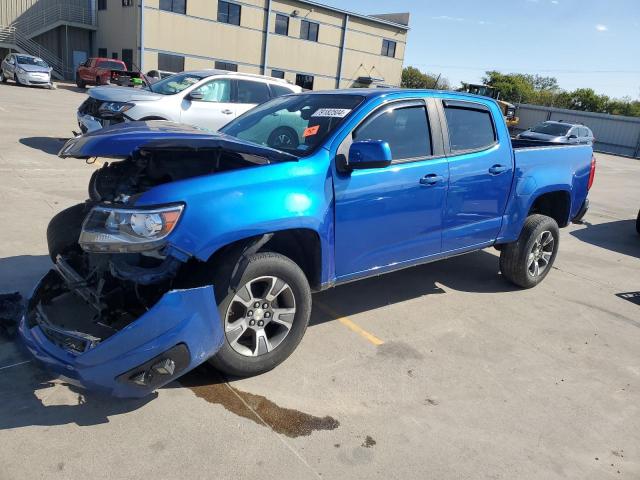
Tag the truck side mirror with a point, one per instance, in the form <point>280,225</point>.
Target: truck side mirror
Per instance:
<point>369,154</point>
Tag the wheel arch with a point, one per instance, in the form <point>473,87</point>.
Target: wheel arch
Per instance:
<point>555,204</point>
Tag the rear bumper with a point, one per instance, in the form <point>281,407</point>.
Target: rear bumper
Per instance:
<point>582,212</point>
<point>183,327</point>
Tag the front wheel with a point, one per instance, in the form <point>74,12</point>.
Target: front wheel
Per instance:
<point>638,223</point>
<point>528,261</point>
<point>264,310</point>
<point>16,79</point>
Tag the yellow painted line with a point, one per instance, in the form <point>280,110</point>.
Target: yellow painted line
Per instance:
<point>351,325</point>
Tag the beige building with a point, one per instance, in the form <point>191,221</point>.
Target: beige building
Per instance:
<point>315,46</point>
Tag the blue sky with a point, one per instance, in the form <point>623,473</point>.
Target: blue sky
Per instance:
<point>583,43</point>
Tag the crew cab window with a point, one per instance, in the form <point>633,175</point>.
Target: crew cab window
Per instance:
<point>111,65</point>
<point>405,129</point>
<point>216,91</point>
<point>252,92</point>
<point>469,128</point>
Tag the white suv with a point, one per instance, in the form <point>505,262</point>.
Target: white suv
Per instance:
<point>207,99</point>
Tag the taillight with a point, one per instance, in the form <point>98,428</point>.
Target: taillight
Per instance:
<point>592,173</point>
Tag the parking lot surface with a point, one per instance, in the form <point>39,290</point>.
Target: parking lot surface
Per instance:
<point>442,371</point>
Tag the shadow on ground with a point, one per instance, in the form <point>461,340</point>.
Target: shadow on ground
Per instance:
<point>619,236</point>
<point>30,399</point>
<point>71,87</point>
<point>48,145</point>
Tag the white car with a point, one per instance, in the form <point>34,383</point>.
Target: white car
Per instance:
<point>207,99</point>
<point>25,70</point>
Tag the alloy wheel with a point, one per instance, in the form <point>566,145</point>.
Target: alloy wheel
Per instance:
<point>260,316</point>
<point>540,255</point>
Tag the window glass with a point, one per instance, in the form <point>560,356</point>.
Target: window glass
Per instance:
<point>228,12</point>
<point>102,52</point>
<point>26,60</point>
<point>127,57</point>
<point>388,48</point>
<point>111,65</point>
<point>252,92</point>
<point>304,81</point>
<point>295,124</point>
<point>279,90</point>
<point>277,73</point>
<point>405,129</point>
<point>216,91</point>
<point>175,6</point>
<point>170,63</point>
<point>231,67</point>
<point>469,129</point>
<point>102,4</point>
<point>555,129</point>
<point>309,30</point>
<point>282,24</point>
<point>175,83</point>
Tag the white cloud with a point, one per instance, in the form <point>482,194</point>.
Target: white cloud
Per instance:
<point>601,28</point>
<point>555,2</point>
<point>451,19</point>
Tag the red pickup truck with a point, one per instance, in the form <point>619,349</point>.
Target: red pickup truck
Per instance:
<point>99,71</point>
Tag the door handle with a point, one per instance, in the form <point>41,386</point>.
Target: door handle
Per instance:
<point>498,169</point>
<point>431,179</point>
<point>226,111</point>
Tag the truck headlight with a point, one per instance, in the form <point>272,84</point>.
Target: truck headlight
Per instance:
<point>120,230</point>
<point>109,109</point>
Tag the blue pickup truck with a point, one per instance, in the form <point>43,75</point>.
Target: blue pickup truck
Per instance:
<point>197,247</point>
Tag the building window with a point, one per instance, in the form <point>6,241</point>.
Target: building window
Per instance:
<point>127,57</point>
<point>127,3</point>
<point>102,4</point>
<point>228,12</point>
<point>277,73</point>
<point>231,67</point>
<point>389,48</point>
<point>175,6</point>
<point>170,63</point>
<point>282,24</point>
<point>114,55</point>
<point>102,52</point>
<point>309,30</point>
<point>304,81</point>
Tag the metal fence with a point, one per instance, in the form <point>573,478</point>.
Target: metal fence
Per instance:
<point>614,133</point>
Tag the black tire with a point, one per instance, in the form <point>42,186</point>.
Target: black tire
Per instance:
<point>228,360</point>
<point>514,257</point>
<point>79,82</point>
<point>284,137</point>
<point>98,81</point>
<point>3,78</point>
<point>64,230</point>
<point>638,224</point>
<point>15,79</point>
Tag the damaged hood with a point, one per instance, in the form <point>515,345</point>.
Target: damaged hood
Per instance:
<point>122,94</point>
<point>124,139</point>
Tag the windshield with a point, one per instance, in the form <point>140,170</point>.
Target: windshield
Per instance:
<point>24,60</point>
<point>295,124</point>
<point>175,83</point>
<point>109,65</point>
<point>554,129</point>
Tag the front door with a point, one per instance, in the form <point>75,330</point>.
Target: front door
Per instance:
<point>386,217</point>
<point>214,110</point>
<point>481,173</point>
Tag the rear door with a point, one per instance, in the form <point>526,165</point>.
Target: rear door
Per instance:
<point>250,93</point>
<point>480,173</point>
<point>386,217</point>
<point>214,110</point>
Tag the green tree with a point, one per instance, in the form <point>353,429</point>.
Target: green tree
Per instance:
<point>414,78</point>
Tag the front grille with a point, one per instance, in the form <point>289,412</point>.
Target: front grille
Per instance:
<point>90,106</point>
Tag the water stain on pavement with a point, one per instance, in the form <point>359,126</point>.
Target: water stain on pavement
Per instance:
<point>368,442</point>
<point>209,386</point>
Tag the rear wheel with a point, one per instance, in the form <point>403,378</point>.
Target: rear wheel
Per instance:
<point>264,309</point>
<point>528,261</point>
<point>638,223</point>
<point>3,78</point>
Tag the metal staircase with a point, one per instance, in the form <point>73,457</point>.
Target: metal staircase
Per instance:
<point>19,35</point>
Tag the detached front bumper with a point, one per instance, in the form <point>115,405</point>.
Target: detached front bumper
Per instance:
<point>178,333</point>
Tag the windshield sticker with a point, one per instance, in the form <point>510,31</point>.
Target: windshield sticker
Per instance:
<point>311,131</point>
<point>331,112</point>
